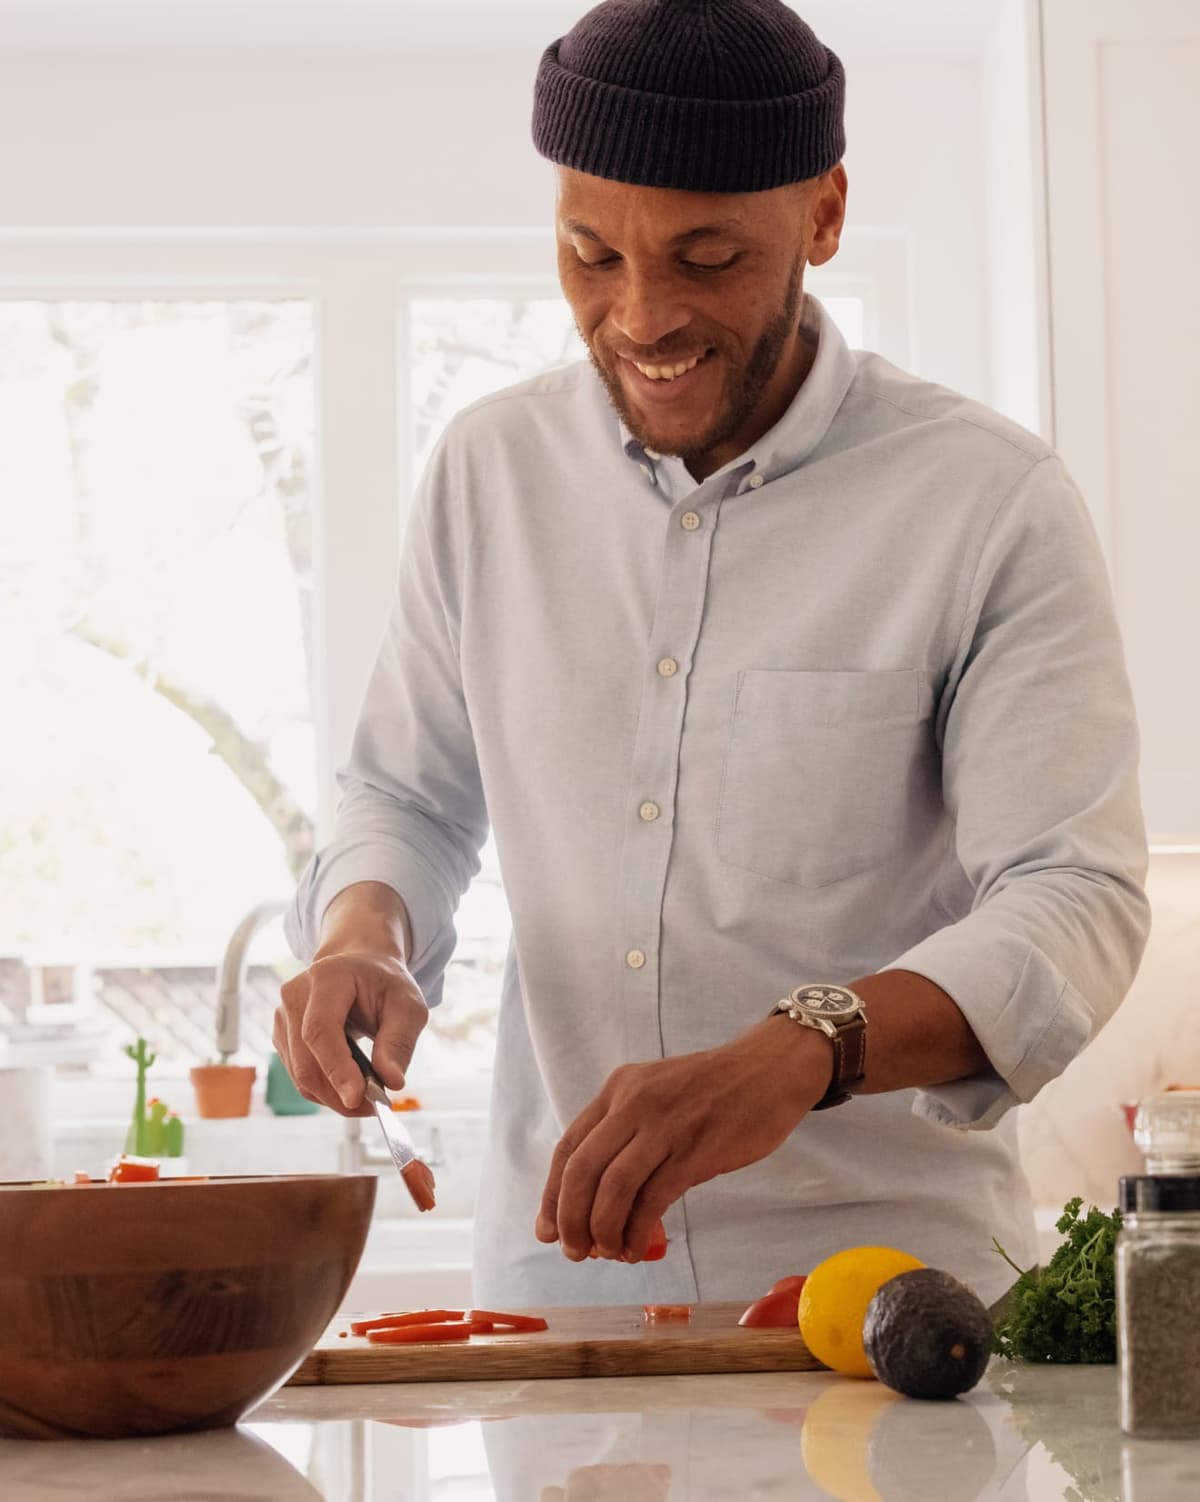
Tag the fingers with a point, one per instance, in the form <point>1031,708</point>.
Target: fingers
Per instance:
<point>332,991</point>
<point>399,1028</point>
<point>303,1068</point>
<point>616,1194</point>
<point>381,998</point>
<point>546,1225</point>
<point>323,1094</point>
<point>580,1180</point>
<point>669,1182</point>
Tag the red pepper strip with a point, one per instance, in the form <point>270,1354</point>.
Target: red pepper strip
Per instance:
<point>508,1324</point>
<point>484,1327</point>
<point>658,1312</point>
<point>421,1334</point>
<point>399,1321</point>
<point>419,1178</point>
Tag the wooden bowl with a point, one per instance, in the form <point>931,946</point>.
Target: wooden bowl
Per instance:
<point>146,1308</point>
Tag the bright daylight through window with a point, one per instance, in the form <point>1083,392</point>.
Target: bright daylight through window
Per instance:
<point>159,775</point>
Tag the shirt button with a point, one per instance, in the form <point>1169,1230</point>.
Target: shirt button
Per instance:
<point>649,812</point>
<point>635,959</point>
<point>668,667</point>
<point>755,481</point>
<point>689,521</point>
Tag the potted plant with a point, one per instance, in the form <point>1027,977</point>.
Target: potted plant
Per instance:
<point>223,1089</point>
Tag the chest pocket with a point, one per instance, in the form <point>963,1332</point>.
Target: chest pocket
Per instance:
<point>827,773</point>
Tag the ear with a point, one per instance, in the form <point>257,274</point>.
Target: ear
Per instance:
<point>827,214</point>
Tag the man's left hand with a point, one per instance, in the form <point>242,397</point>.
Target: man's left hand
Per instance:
<point>656,1130</point>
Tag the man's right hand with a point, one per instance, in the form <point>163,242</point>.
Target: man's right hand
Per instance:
<point>358,977</point>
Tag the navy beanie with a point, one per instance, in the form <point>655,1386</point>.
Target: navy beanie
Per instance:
<point>714,96</point>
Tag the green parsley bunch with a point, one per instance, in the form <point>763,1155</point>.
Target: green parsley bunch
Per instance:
<point>1066,1311</point>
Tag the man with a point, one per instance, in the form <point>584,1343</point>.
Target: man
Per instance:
<point>782,676</point>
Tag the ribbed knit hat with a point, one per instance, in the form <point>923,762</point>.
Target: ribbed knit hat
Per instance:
<point>715,96</point>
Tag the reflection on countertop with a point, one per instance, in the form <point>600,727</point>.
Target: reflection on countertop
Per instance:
<point>1027,1434</point>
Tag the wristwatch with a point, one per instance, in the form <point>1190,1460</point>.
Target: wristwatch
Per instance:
<point>841,1015</point>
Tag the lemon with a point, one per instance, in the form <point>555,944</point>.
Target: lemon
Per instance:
<point>833,1303</point>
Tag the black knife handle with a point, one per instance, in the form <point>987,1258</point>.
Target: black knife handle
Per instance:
<point>360,1058</point>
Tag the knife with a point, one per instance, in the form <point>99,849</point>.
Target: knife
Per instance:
<point>417,1175</point>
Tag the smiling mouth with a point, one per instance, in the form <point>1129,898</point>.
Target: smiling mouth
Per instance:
<point>668,372</point>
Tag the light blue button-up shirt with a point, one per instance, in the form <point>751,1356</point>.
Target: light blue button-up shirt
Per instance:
<point>855,702</point>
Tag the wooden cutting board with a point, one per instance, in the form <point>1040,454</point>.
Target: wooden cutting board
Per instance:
<point>581,1342</point>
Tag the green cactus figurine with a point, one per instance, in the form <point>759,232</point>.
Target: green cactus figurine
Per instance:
<point>135,1138</point>
<point>155,1131</point>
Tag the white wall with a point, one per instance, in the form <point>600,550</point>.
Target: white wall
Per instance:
<point>343,140</point>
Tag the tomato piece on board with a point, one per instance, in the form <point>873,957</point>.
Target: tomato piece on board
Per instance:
<point>773,1311</point>
<point>405,1335</point>
<point>657,1313</point>
<point>657,1249</point>
<point>790,1285</point>
<point>130,1170</point>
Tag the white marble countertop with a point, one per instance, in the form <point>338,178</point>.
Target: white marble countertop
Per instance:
<point>1033,1434</point>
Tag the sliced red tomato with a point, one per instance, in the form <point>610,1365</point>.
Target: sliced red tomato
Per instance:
<point>790,1285</point>
<point>405,1335</point>
<point>130,1170</point>
<point>776,1310</point>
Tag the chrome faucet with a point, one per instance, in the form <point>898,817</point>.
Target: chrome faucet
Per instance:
<point>232,975</point>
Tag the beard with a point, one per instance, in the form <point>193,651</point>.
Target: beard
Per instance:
<point>747,384</point>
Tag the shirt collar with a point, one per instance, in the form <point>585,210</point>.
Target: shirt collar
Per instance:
<point>806,421</point>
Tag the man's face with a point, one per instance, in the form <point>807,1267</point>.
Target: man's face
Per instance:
<point>689,303</point>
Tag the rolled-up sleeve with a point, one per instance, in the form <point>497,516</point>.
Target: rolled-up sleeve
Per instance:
<point>1040,775</point>
<point>411,810</point>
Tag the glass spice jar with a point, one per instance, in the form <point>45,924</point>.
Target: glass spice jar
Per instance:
<point>1167,1130</point>
<point>1158,1304</point>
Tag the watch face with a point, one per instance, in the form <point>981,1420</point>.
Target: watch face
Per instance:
<point>826,1001</point>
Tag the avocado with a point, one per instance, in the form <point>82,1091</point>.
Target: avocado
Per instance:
<point>927,1335</point>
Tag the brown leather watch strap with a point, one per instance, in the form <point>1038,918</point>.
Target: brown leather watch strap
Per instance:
<point>849,1061</point>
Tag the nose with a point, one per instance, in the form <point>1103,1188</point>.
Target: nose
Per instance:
<point>646,310</point>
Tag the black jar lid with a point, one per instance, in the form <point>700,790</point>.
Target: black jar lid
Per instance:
<point>1160,1193</point>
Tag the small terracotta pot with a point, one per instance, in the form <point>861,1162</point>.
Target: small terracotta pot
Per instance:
<point>223,1089</point>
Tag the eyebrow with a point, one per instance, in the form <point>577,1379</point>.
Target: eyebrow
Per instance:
<point>688,237</point>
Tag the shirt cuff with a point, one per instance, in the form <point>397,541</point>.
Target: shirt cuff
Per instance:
<point>1029,1020</point>
<point>430,912</point>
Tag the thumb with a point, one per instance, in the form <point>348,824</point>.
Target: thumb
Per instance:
<point>399,1028</point>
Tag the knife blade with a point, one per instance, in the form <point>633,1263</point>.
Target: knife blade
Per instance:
<point>417,1175</point>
